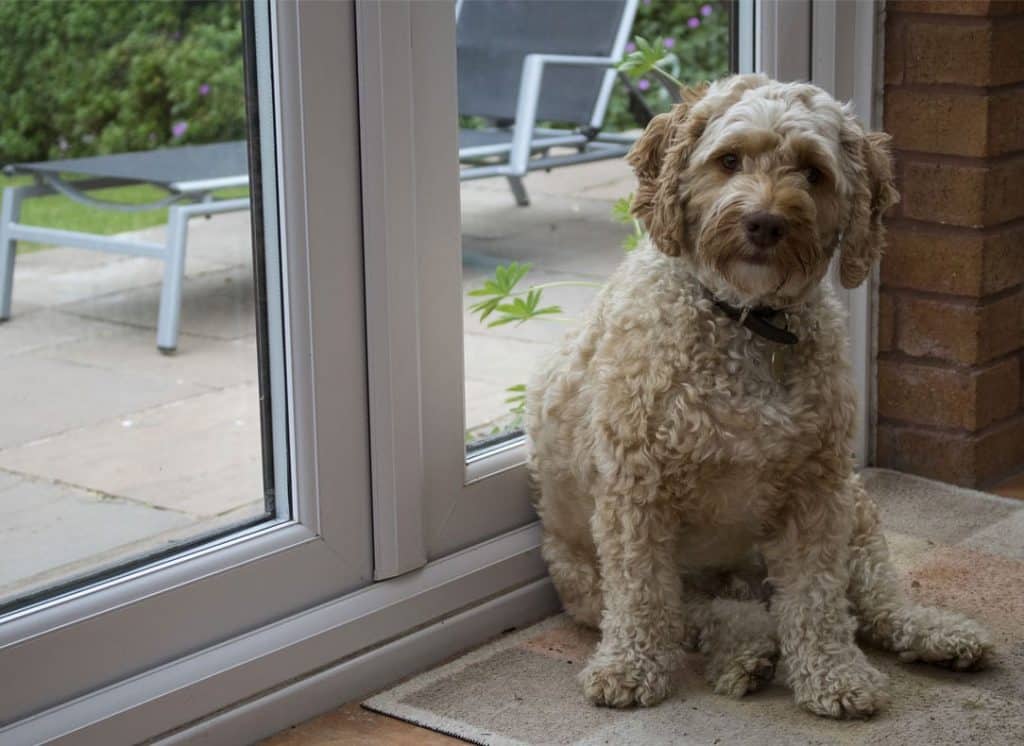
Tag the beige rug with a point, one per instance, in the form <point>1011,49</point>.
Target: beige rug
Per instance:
<point>958,548</point>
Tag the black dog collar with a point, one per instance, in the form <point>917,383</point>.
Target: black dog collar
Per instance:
<point>756,320</point>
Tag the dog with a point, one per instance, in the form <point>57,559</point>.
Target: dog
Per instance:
<point>691,441</point>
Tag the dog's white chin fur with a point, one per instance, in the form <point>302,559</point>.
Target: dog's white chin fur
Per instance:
<point>751,282</point>
<point>755,279</point>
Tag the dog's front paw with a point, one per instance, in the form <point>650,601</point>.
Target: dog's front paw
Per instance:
<point>844,689</point>
<point>627,679</point>
<point>944,638</point>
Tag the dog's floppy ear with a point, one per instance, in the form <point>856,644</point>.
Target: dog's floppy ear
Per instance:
<point>658,158</point>
<point>873,193</point>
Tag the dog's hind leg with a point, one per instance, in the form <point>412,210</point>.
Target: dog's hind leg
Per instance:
<point>888,619</point>
<point>574,571</point>
<point>739,640</point>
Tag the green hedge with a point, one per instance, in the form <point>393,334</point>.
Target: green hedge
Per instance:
<point>93,77</point>
<point>86,77</point>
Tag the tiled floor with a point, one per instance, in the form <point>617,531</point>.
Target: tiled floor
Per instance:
<point>351,725</point>
<point>1012,487</point>
<point>109,449</point>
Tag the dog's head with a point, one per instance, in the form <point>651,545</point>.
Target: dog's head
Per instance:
<point>759,183</point>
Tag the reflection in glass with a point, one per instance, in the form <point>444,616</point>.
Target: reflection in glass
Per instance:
<point>129,379</point>
<point>545,207</point>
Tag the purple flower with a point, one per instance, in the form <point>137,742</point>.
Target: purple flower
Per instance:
<point>178,129</point>
<point>631,47</point>
<point>647,2</point>
<point>693,22</point>
<point>669,42</point>
<point>706,10</point>
<point>204,89</point>
<point>643,84</point>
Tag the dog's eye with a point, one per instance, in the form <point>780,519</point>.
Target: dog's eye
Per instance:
<point>730,162</point>
<point>814,175</point>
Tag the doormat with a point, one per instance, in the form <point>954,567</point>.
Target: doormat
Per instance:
<point>957,548</point>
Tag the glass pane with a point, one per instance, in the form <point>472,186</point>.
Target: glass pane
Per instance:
<point>529,269</point>
<point>132,422</point>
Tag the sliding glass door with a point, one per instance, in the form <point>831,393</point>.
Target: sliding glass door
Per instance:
<point>157,501</point>
<point>319,451</point>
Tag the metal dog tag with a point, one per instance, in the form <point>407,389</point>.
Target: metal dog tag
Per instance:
<point>778,363</point>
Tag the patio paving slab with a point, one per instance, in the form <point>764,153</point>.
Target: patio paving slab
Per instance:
<point>607,180</point>
<point>492,365</point>
<point>89,402</point>
<point>43,396</point>
<point>204,361</point>
<point>199,455</point>
<point>216,304</point>
<point>44,526</point>
<point>43,328</point>
<point>57,276</point>
<point>573,300</point>
<point>558,235</point>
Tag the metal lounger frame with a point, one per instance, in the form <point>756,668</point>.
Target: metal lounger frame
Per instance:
<point>527,139</point>
<point>187,200</point>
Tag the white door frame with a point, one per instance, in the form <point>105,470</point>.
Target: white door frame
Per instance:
<point>835,44</point>
<point>845,53</point>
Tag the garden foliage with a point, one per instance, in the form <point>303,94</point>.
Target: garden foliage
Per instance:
<point>695,38</point>
<point>86,78</point>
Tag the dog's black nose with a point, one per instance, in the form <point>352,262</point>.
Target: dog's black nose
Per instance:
<point>764,229</point>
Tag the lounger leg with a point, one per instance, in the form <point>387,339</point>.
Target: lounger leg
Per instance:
<point>174,274</point>
<point>10,211</point>
<point>518,190</point>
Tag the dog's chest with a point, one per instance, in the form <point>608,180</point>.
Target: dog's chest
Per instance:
<point>757,402</point>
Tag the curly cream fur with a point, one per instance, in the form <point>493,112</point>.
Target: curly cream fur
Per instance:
<point>678,480</point>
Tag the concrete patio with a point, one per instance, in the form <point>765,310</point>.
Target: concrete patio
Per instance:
<point>109,450</point>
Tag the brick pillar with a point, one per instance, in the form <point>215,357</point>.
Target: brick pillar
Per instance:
<point>951,305</point>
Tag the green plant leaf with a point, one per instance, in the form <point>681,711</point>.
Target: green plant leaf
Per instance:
<point>518,399</point>
<point>497,289</point>
<point>621,209</point>
<point>523,309</point>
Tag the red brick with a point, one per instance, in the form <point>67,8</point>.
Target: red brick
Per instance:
<point>1006,119</point>
<point>939,52</point>
<point>1007,51</point>
<point>947,193</point>
<point>964,333</point>
<point>930,121</point>
<point>1004,192</point>
<point>895,49</point>
<point>967,123</point>
<point>1000,451</point>
<point>976,52</point>
<point>1003,260</point>
<point>955,192</point>
<point>997,392</point>
<point>886,322</point>
<point>961,458</point>
<point>957,7</point>
<point>965,262</point>
<point>967,399</point>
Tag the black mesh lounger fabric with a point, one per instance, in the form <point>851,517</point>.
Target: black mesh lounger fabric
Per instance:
<point>163,167</point>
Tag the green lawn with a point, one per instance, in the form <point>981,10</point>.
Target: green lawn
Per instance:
<point>57,211</point>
